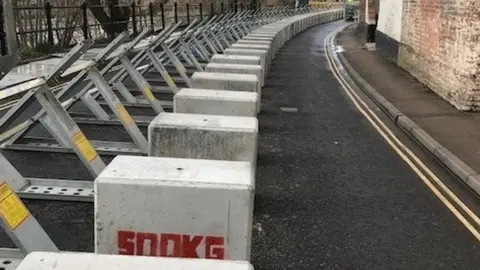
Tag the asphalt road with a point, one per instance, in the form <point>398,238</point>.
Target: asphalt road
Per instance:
<point>330,192</point>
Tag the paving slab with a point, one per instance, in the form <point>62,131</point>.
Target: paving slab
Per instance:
<point>455,130</point>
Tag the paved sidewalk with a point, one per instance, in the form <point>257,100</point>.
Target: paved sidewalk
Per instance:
<point>459,132</point>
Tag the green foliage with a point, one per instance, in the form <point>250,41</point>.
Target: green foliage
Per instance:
<point>39,50</point>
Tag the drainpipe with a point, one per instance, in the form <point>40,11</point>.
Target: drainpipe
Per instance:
<point>9,24</point>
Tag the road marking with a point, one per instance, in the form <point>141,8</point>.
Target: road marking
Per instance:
<point>289,109</point>
<point>414,157</point>
<point>397,145</point>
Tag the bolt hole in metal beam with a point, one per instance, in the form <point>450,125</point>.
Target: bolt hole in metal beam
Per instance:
<point>7,262</point>
<point>74,191</point>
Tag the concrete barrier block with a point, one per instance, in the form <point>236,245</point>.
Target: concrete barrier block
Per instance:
<point>267,32</point>
<point>226,81</point>
<point>175,207</point>
<point>201,136</point>
<point>253,41</point>
<point>275,26</point>
<point>255,47</point>
<point>256,42</point>
<point>273,29</point>
<point>260,42</point>
<point>263,35</point>
<point>275,37</point>
<point>260,53</point>
<point>236,59</point>
<point>259,38</point>
<point>217,102</point>
<point>237,69</point>
<point>276,43</point>
<point>274,33</point>
<point>92,261</point>
<point>251,46</point>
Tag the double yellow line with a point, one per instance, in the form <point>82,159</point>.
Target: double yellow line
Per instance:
<point>446,196</point>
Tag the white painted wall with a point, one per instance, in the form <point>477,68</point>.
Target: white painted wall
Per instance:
<point>390,18</point>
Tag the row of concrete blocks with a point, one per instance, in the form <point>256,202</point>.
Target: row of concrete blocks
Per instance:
<point>243,67</point>
<point>193,197</point>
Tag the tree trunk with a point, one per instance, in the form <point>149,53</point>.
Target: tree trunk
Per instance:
<point>114,23</point>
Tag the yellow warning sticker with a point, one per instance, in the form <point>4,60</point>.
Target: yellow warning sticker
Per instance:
<point>168,79</point>
<point>12,209</point>
<point>196,63</point>
<point>148,93</point>
<point>84,146</point>
<point>123,114</point>
<point>180,67</point>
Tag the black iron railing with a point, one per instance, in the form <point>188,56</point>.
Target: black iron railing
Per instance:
<point>50,28</point>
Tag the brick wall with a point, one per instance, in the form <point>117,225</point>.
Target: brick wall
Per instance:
<point>370,11</point>
<point>367,10</point>
<point>440,46</point>
<point>361,10</point>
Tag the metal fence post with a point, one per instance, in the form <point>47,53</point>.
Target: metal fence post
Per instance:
<point>134,18</point>
<point>200,6</point>
<point>175,5</point>
<point>85,20</point>
<point>9,28</point>
<point>212,9</point>
<point>112,22</point>
<point>188,13</point>
<point>221,5</point>
<point>48,15</point>
<point>150,13</point>
<point>162,9</point>
<point>3,35</point>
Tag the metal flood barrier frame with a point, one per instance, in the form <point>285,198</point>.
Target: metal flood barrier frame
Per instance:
<point>89,96</point>
<point>197,43</point>
<point>16,220</point>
